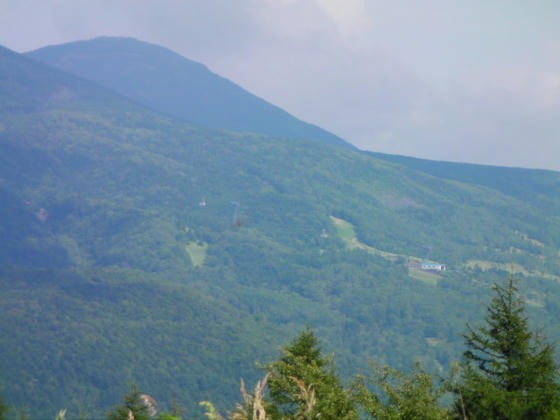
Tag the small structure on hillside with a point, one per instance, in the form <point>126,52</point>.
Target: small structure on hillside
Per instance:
<point>42,214</point>
<point>432,266</point>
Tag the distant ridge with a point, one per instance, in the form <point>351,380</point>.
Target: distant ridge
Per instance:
<point>167,82</point>
<point>522,183</point>
<point>29,86</point>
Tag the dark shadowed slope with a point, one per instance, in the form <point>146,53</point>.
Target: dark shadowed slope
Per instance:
<point>167,82</point>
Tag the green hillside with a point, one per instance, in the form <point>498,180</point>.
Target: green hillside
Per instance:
<point>137,247</point>
<point>534,185</point>
<point>163,80</point>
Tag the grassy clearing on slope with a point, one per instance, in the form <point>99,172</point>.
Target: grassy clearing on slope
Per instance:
<point>512,268</point>
<point>527,238</point>
<point>347,233</point>
<point>345,230</point>
<point>426,276</point>
<point>197,252</point>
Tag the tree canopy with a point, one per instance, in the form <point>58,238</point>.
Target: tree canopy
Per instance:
<point>410,397</point>
<point>304,384</point>
<point>134,407</point>
<point>508,371</point>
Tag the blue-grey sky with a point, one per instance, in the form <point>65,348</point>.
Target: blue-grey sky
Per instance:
<point>467,80</point>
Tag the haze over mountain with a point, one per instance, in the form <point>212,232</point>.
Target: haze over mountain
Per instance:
<point>163,80</point>
<point>135,246</point>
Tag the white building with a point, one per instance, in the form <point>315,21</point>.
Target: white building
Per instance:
<point>432,266</point>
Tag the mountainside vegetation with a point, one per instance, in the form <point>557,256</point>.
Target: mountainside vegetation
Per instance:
<point>135,247</point>
<point>508,372</point>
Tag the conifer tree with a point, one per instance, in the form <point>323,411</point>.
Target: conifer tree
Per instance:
<point>133,407</point>
<point>303,384</point>
<point>508,372</point>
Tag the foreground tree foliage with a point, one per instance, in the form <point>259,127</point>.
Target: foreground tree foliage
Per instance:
<point>410,397</point>
<point>303,384</point>
<point>508,372</point>
<point>133,408</point>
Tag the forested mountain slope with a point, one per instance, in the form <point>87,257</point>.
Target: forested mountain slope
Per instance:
<point>137,247</point>
<point>167,82</point>
<point>534,185</point>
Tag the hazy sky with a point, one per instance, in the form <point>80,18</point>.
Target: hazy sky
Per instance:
<point>473,81</point>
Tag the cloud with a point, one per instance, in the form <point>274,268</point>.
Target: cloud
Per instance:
<point>349,17</point>
<point>487,125</point>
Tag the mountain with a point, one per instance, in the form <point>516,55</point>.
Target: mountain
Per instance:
<point>72,329</point>
<point>137,247</point>
<point>169,83</point>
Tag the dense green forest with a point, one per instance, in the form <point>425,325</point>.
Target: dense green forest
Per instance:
<point>507,372</point>
<point>135,247</point>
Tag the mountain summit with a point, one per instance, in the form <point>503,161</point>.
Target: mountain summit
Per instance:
<point>169,83</point>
